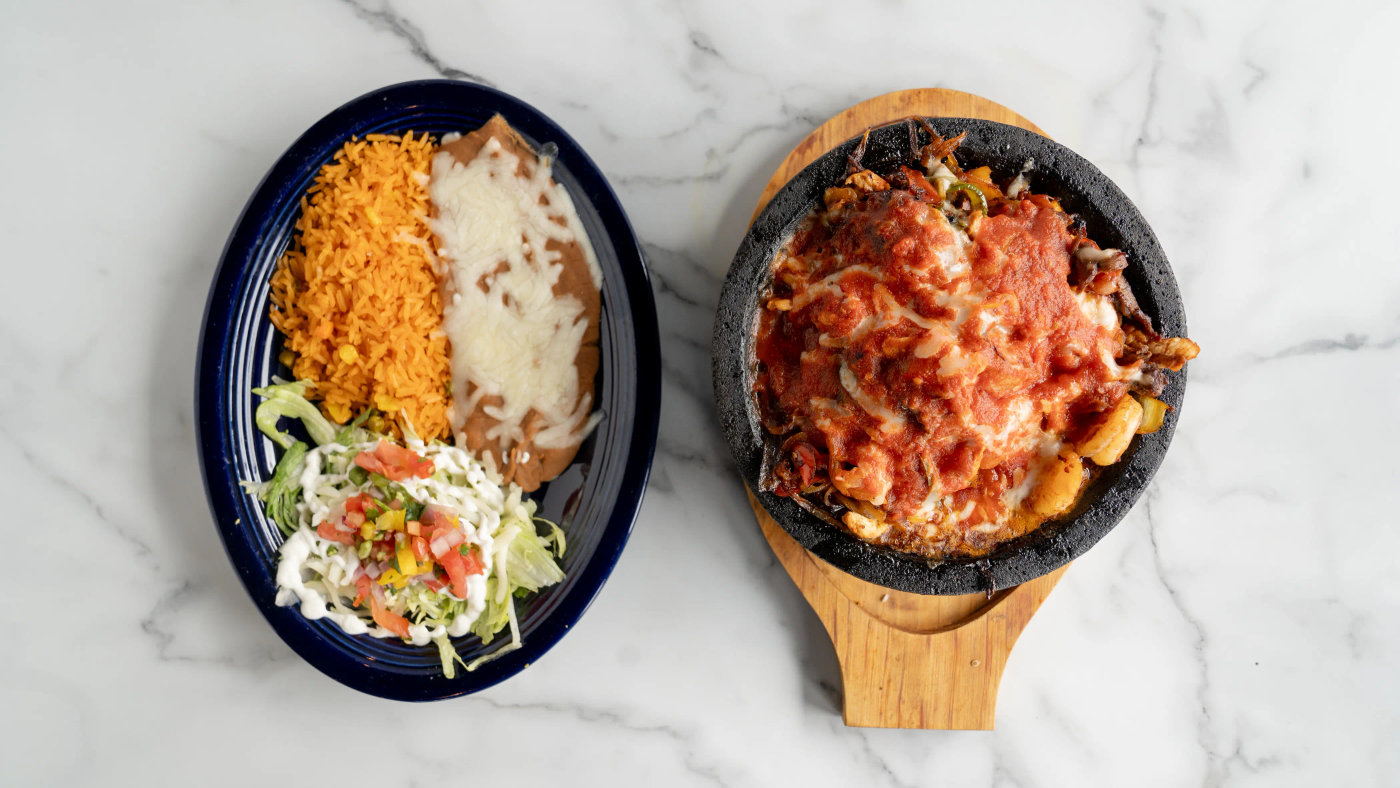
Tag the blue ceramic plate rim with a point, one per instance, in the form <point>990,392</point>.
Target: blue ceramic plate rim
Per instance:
<point>282,183</point>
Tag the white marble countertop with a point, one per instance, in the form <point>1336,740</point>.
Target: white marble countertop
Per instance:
<point>1241,627</point>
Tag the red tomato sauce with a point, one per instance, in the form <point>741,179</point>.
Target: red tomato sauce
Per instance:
<point>906,362</point>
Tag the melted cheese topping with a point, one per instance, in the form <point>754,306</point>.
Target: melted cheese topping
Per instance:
<point>890,421</point>
<point>512,337</point>
<point>946,368</point>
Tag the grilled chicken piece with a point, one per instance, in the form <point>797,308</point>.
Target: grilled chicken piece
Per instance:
<point>867,182</point>
<point>1169,352</point>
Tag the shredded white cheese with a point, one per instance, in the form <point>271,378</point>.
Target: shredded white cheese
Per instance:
<point>890,421</point>
<point>512,337</point>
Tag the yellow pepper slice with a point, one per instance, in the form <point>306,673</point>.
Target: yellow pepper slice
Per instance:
<point>408,565</point>
<point>391,520</point>
<point>392,577</point>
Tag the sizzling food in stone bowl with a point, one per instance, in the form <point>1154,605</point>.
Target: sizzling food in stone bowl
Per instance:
<point>944,357</point>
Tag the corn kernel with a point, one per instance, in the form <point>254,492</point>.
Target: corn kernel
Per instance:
<point>348,354</point>
<point>387,403</point>
<point>339,413</point>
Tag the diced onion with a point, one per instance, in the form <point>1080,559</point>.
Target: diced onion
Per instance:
<point>1153,411</point>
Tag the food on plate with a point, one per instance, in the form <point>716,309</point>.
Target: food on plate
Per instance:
<point>441,310</point>
<point>522,306</point>
<point>944,358</point>
<point>413,541</point>
<point>356,295</point>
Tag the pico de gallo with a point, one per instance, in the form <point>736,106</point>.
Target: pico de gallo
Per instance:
<point>415,542</point>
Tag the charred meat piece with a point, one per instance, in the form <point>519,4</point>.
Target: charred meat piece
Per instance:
<point>1097,269</point>
<point>1126,304</point>
<point>1153,381</point>
<point>1169,352</point>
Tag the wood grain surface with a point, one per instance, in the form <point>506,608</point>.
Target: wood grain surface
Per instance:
<point>907,660</point>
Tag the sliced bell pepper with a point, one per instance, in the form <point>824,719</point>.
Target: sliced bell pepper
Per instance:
<point>974,195</point>
<point>392,577</point>
<point>408,564</point>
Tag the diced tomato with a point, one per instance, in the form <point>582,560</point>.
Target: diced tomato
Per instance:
<point>431,520</point>
<point>433,582</point>
<point>472,561</point>
<point>327,530</point>
<point>371,463</point>
<point>355,519</point>
<point>806,462</point>
<point>385,617</point>
<point>407,459</point>
<point>356,503</point>
<point>456,567</point>
<point>420,548</point>
<point>395,463</point>
<point>362,584</point>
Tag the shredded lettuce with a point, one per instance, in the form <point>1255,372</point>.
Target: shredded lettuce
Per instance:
<point>529,564</point>
<point>495,617</point>
<point>526,561</point>
<point>529,567</point>
<point>289,399</point>
<point>282,491</point>
<point>449,656</point>
<point>555,538</point>
<point>351,433</point>
<point>514,643</point>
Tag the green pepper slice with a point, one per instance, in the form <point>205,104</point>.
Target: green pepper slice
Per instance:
<point>974,194</point>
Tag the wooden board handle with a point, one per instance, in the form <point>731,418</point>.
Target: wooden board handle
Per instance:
<point>907,660</point>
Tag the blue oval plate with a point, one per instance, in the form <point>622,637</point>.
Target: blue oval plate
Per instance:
<point>596,499</point>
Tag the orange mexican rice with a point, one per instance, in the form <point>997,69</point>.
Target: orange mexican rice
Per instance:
<point>356,294</point>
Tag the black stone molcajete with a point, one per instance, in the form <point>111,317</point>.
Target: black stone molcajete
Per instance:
<point>1112,222</point>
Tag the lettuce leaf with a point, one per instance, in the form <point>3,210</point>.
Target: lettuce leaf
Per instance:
<point>495,617</point>
<point>529,563</point>
<point>284,489</point>
<point>289,399</point>
<point>351,433</point>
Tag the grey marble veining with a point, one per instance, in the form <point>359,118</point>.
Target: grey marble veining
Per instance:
<point>1241,627</point>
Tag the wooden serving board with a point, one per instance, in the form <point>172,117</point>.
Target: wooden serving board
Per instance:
<point>907,660</point>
